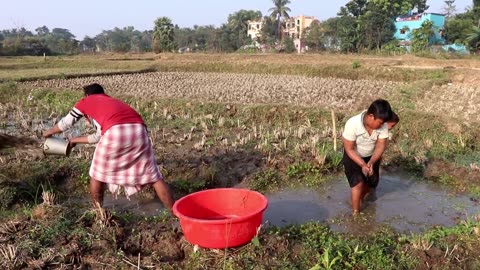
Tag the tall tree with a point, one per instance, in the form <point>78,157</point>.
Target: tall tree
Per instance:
<point>268,31</point>
<point>395,7</point>
<point>163,35</point>
<point>42,31</point>
<point>356,8</point>
<point>421,5</point>
<point>314,37</point>
<point>88,44</point>
<point>449,9</point>
<point>279,13</point>
<point>238,23</point>
<point>421,37</point>
<point>473,38</point>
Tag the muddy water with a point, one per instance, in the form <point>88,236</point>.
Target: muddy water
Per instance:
<point>404,204</point>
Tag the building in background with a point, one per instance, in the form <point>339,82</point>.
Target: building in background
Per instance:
<point>294,27</point>
<point>405,26</point>
<point>255,28</point>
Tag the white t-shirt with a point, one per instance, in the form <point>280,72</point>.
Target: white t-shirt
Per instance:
<point>355,131</point>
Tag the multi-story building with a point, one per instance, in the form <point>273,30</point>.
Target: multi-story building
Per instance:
<point>254,28</point>
<point>295,26</point>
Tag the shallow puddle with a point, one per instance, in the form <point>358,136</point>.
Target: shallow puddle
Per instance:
<point>405,204</point>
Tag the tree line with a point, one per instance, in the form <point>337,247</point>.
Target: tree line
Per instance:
<point>360,25</point>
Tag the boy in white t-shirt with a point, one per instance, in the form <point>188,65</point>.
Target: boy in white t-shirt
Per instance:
<point>371,195</point>
<point>364,139</point>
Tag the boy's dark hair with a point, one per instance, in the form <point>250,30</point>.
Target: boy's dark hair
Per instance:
<point>93,89</point>
<point>395,118</point>
<point>380,109</point>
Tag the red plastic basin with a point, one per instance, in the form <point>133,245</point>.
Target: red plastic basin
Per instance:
<point>221,217</point>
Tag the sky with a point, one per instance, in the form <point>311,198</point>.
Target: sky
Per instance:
<point>91,17</point>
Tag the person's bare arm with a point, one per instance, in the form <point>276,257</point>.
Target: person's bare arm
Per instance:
<point>52,131</point>
<point>349,147</point>
<point>380,147</point>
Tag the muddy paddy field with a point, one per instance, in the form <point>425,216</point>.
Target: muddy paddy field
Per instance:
<point>260,122</point>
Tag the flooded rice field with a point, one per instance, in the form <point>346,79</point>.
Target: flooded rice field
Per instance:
<point>403,203</point>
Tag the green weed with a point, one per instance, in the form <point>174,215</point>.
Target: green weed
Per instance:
<point>264,181</point>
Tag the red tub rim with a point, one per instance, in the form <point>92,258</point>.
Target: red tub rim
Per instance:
<point>221,221</point>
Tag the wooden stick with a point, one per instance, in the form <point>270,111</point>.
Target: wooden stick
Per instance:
<point>334,132</point>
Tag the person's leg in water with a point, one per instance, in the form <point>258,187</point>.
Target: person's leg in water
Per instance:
<point>358,193</point>
<point>163,193</point>
<point>97,189</point>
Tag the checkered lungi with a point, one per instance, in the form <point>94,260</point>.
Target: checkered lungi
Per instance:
<point>124,158</point>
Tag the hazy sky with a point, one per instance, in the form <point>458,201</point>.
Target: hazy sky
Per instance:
<point>90,17</point>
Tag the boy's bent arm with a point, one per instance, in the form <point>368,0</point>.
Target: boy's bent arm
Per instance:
<point>349,147</point>
<point>380,146</point>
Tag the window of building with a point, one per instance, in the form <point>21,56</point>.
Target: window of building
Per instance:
<point>298,21</point>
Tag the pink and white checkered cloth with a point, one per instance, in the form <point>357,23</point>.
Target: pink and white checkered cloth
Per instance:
<point>124,158</point>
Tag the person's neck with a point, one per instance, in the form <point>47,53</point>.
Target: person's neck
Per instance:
<point>367,128</point>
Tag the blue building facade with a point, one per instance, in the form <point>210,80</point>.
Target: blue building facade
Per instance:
<point>405,25</point>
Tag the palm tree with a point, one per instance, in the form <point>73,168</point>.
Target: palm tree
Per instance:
<point>279,12</point>
<point>474,38</point>
<point>163,35</point>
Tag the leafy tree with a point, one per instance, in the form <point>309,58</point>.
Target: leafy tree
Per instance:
<point>42,31</point>
<point>356,8</point>
<point>473,38</point>
<point>395,7</point>
<point>314,37</point>
<point>421,37</point>
<point>421,5</point>
<point>457,30</point>
<point>146,40</point>
<point>288,45</point>
<point>61,41</point>
<point>225,39</point>
<point>279,13</point>
<point>238,24</point>
<point>268,31</point>
<point>375,28</point>
<point>163,35</point>
<point>184,37</point>
<point>88,44</point>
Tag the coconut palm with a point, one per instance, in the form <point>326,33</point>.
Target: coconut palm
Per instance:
<point>280,12</point>
<point>474,38</point>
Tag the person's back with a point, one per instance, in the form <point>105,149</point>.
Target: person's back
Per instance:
<point>108,111</point>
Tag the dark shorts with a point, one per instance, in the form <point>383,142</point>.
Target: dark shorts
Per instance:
<point>355,175</point>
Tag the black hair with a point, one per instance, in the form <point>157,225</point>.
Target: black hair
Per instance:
<point>93,89</point>
<point>380,109</point>
<point>395,118</point>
